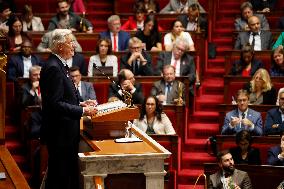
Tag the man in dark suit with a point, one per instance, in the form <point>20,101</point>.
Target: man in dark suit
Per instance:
<point>274,122</point>
<point>61,112</point>
<point>119,38</point>
<point>242,118</point>
<point>19,64</point>
<point>276,153</point>
<point>228,176</point>
<point>168,90</point>
<point>180,59</point>
<point>138,61</point>
<point>259,39</point>
<point>193,20</point>
<point>85,89</point>
<point>126,81</point>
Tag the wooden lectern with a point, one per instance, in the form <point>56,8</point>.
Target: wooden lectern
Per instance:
<point>138,165</point>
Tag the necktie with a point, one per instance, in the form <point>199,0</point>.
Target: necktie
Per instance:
<point>253,39</point>
<point>175,63</point>
<point>168,93</point>
<point>114,42</point>
<point>243,115</point>
<point>136,67</point>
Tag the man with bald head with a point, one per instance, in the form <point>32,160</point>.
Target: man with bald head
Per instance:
<point>259,39</point>
<point>20,64</point>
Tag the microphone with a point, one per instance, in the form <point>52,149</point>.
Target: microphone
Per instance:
<point>124,92</point>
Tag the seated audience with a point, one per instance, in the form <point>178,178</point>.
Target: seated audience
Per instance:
<point>104,57</point>
<point>177,30</point>
<point>241,24</point>
<point>228,176</point>
<point>263,5</point>
<point>46,42</point>
<point>135,22</point>
<point>261,89</point>
<point>242,118</point>
<point>152,119</point>
<point>193,21</point>
<point>277,66</point>
<point>244,153</point>
<point>276,153</point>
<point>279,41</point>
<point>151,6</point>
<point>31,22</point>
<point>16,35</point>
<point>259,39</point>
<point>137,60</point>
<point>66,19</point>
<point>31,96</point>
<point>168,90</point>
<point>178,58</point>
<point>19,64</point>
<point>150,36</point>
<point>5,13</point>
<point>180,6</point>
<point>125,86</point>
<point>274,122</point>
<point>119,38</point>
<point>85,89</point>
<point>247,65</point>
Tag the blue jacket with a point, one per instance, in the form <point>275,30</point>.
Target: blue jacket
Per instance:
<point>123,38</point>
<point>273,116</point>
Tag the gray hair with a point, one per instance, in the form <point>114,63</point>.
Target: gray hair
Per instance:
<point>134,40</point>
<point>34,68</point>
<point>112,18</point>
<point>281,90</point>
<point>181,40</point>
<point>59,37</point>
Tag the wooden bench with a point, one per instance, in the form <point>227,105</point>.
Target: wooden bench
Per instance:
<point>261,176</point>
<point>233,83</point>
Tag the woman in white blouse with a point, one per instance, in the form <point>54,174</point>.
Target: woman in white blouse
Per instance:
<point>103,57</point>
<point>31,22</point>
<point>152,119</point>
<point>177,31</point>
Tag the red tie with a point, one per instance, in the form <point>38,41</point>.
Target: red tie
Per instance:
<point>38,91</point>
<point>175,63</point>
<point>114,42</point>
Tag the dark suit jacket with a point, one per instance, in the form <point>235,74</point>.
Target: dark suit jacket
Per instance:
<point>137,96</point>
<point>159,88</point>
<point>88,91</point>
<point>123,38</point>
<point>272,158</point>
<point>16,66</point>
<point>27,98</point>
<point>79,60</point>
<point>253,157</point>
<point>143,70</point>
<point>269,97</point>
<point>273,116</point>
<point>202,22</point>
<point>187,67</point>
<point>60,106</point>
<point>237,67</point>
<point>265,36</point>
<point>240,178</point>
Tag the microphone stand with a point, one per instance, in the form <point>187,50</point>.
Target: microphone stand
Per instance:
<point>126,95</point>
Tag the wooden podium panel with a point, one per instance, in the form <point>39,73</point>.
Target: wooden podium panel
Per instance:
<point>104,158</point>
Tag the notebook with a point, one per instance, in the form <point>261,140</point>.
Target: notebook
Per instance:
<point>108,70</point>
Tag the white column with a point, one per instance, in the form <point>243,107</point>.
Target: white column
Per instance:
<point>155,180</point>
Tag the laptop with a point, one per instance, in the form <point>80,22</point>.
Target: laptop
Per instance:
<point>108,70</point>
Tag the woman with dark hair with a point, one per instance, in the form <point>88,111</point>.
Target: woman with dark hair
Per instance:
<point>177,30</point>
<point>16,36</point>
<point>152,120</point>
<point>247,65</point>
<point>151,6</point>
<point>277,67</point>
<point>150,36</point>
<point>244,153</point>
<point>135,22</point>
<point>103,57</point>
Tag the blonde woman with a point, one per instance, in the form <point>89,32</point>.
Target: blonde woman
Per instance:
<point>177,31</point>
<point>261,88</point>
